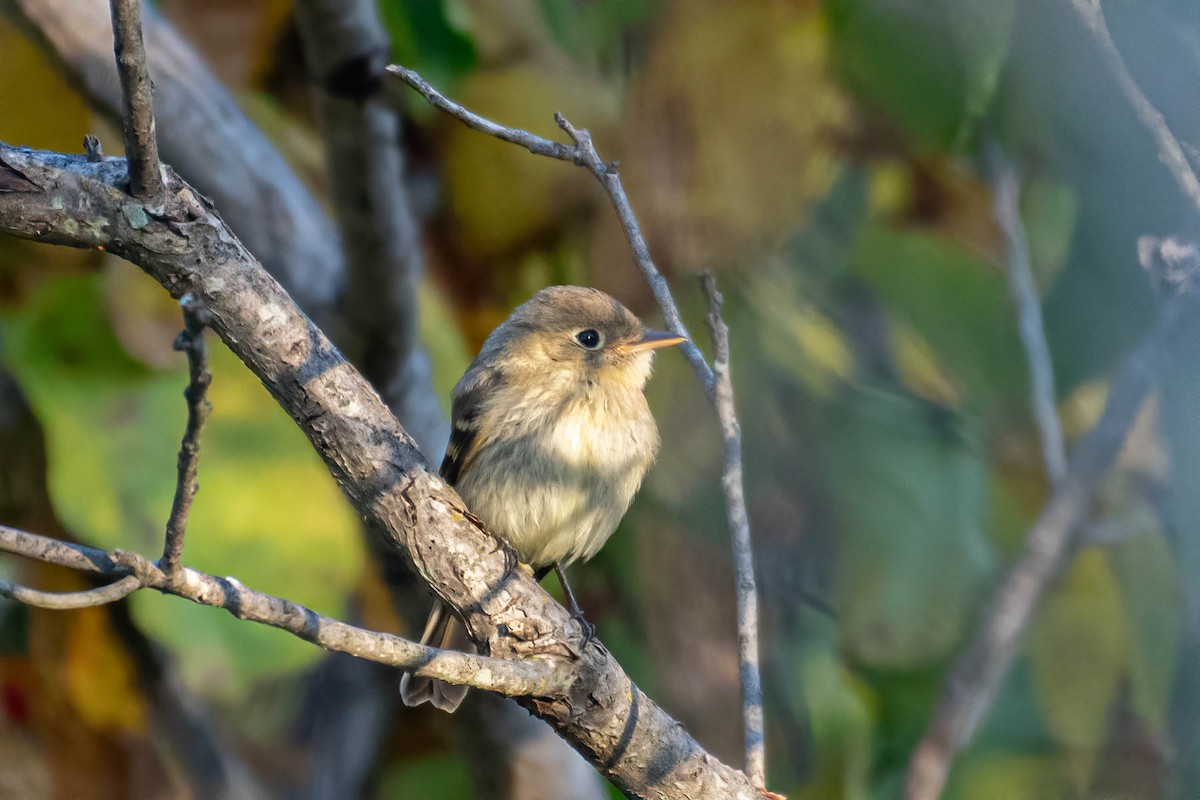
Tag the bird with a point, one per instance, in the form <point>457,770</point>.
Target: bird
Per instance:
<point>551,436</point>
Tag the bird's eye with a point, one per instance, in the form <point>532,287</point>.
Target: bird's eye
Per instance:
<point>588,338</point>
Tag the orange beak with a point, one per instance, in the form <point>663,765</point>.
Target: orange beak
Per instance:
<point>652,340</point>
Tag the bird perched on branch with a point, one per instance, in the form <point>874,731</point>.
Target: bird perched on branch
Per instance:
<point>550,438</point>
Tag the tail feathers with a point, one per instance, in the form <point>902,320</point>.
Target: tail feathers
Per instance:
<point>445,632</point>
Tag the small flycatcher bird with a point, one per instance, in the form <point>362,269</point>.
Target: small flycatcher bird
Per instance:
<point>550,438</point>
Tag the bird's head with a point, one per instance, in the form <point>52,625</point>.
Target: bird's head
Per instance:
<point>582,332</point>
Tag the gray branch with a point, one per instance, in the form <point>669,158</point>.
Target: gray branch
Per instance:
<point>59,601</point>
<point>1006,207</point>
<point>583,153</point>
<point>137,99</point>
<point>739,528</point>
<point>135,572</point>
<point>191,341</point>
<point>976,678</point>
<point>186,247</point>
<point>1169,151</point>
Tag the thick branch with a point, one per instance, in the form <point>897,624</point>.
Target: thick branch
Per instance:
<point>977,677</point>
<point>187,248</point>
<point>137,99</point>
<point>191,341</point>
<point>493,674</point>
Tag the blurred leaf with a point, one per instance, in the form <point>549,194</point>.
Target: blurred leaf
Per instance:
<point>1149,582</point>
<point>995,775</point>
<point>586,30</point>
<point>100,678</point>
<point>840,715</point>
<point>40,109</point>
<point>427,35</point>
<point>1078,648</point>
<point>444,777</point>
<point>960,304</point>
<point>931,67</point>
<point>267,512</point>
<point>909,488</point>
<point>1049,210</point>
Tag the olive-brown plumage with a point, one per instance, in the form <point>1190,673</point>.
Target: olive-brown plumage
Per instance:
<point>550,438</point>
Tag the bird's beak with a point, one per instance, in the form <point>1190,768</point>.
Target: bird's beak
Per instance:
<point>652,340</point>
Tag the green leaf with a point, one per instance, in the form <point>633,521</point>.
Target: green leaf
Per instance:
<point>908,485</point>
<point>1078,649</point>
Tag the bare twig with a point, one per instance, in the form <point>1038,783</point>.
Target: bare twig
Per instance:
<point>59,601</point>
<point>976,678</point>
<point>584,154</point>
<point>190,341</point>
<point>137,92</point>
<point>494,674</point>
<point>739,529</point>
<point>1169,151</point>
<point>186,247</point>
<point>1006,207</point>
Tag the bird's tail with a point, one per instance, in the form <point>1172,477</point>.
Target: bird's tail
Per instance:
<point>443,630</point>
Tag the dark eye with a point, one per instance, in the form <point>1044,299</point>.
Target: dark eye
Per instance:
<point>588,338</point>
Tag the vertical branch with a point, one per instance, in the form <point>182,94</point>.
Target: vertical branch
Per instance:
<point>137,96</point>
<point>1006,199</point>
<point>191,341</point>
<point>739,529</point>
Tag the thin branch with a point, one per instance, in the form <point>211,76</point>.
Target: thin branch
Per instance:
<point>973,684</point>
<point>186,247</point>
<point>137,95</point>
<point>717,387</point>
<point>1169,151</point>
<point>583,154</point>
<point>190,341</point>
<point>494,674</point>
<point>1006,207</point>
<point>739,529</point>
<point>59,601</point>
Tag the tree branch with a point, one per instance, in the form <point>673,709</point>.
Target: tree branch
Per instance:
<point>1006,192</point>
<point>59,601</point>
<point>739,529</point>
<point>973,684</point>
<point>191,341</point>
<point>493,674</point>
<point>1169,150</point>
<point>137,94</point>
<point>186,247</point>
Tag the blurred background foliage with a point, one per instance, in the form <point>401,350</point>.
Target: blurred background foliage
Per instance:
<point>823,159</point>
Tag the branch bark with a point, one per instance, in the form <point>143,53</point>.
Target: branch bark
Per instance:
<point>137,99</point>
<point>138,572</point>
<point>187,248</point>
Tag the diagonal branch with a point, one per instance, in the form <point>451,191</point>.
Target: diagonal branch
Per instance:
<point>191,341</point>
<point>137,93</point>
<point>137,572</point>
<point>186,247</point>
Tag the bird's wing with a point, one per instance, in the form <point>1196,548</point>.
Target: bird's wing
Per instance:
<point>466,410</point>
